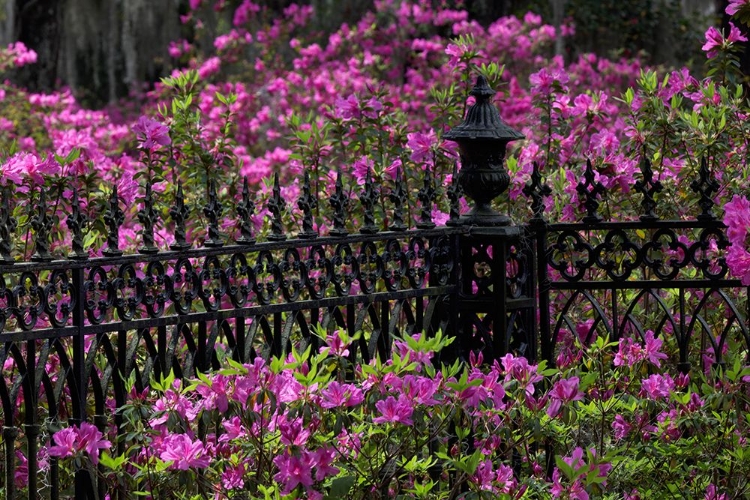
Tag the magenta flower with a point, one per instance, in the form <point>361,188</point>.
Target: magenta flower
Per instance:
<point>715,40</point>
<point>66,443</point>
<point>293,470</point>
<point>394,411</point>
<point>348,108</point>
<point>151,133</point>
<point>735,6</point>
<point>335,345</point>
<point>652,349</point>
<point>73,440</point>
<point>184,453</point>
<point>564,391</point>
<point>657,386</point>
<point>338,395</point>
<point>233,477</point>
<point>621,427</point>
<point>421,146</point>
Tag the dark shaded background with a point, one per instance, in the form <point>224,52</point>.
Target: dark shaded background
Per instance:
<point>102,49</point>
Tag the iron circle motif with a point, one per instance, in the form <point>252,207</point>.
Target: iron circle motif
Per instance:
<point>238,279</point>
<point>59,284</point>
<point>319,272</point>
<point>713,268</point>
<point>214,275</point>
<point>265,290</point>
<point>345,269</point>
<point>370,267</point>
<point>654,250</point>
<point>28,286</point>
<point>182,286</point>
<point>395,264</point>
<point>571,268</point>
<point>418,262</point>
<point>99,295</point>
<point>6,295</point>
<point>617,242</point>
<point>155,289</point>
<point>127,305</point>
<point>292,275</point>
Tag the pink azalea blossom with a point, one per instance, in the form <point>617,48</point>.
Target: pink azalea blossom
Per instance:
<point>76,439</point>
<point>563,391</point>
<point>184,453</point>
<point>293,470</point>
<point>735,6</point>
<point>394,411</point>
<point>151,133</point>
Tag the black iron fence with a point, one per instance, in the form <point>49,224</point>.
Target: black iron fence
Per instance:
<point>72,331</point>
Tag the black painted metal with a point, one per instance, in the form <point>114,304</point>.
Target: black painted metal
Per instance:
<point>531,288</point>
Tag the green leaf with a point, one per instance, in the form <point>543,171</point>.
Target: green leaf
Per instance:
<point>340,487</point>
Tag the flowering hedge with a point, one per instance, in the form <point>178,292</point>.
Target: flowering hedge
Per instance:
<point>617,424</point>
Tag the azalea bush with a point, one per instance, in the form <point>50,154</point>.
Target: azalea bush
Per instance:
<point>619,423</point>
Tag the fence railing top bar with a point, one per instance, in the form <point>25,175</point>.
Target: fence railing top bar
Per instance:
<point>656,283</point>
<point>636,224</point>
<point>202,252</point>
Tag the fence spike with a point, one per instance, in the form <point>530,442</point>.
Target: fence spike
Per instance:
<point>42,224</point>
<point>8,225</point>
<point>705,185</point>
<point>276,205</point>
<point>307,202</point>
<point>147,216</point>
<point>113,218</point>
<point>368,197</point>
<point>648,187</point>
<point>179,213</point>
<point>245,210</point>
<point>340,204</point>
<point>589,188</point>
<point>398,197</point>
<point>454,193</point>
<point>537,191</point>
<point>213,210</point>
<point>76,220</point>
<point>426,196</point>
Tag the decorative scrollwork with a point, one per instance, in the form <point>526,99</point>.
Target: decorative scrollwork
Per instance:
<point>292,275</point>
<point>368,197</point>
<point>29,301</point>
<point>113,218</point>
<point>155,289</point>
<point>571,255</point>
<point>537,191</point>
<point>147,217</point>
<point>8,226</point>
<point>307,202</point>
<point>238,270</point>
<point>617,255</point>
<point>665,254</point>
<point>42,224</point>
<point>648,187</point>
<point>76,220</point>
<point>126,303</point>
<point>212,283</point>
<point>245,209</point>
<point>340,204</point>
<point>590,189</point>
<point>705,185</point>
<point>276,205</point>
<point>59,286</point>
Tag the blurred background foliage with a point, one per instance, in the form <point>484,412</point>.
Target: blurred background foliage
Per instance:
<point>105,49</point>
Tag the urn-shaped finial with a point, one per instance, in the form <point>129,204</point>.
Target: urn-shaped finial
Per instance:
<point>482,140</point>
